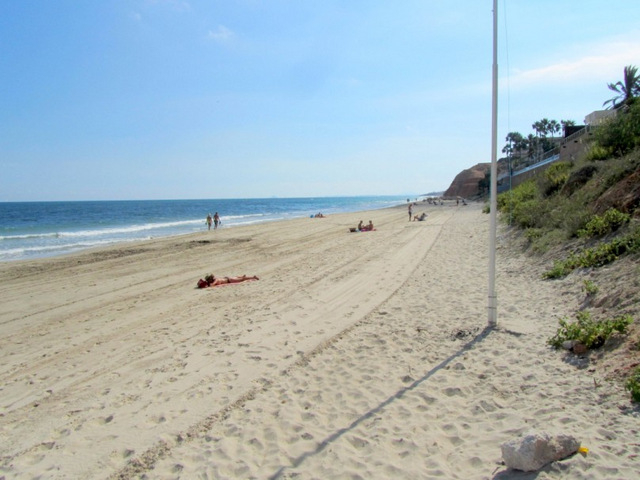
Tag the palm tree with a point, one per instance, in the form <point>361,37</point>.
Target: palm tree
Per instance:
<point>544,126</point>
<point>538,127</point>
<point>514,144</point>
<point>532,144</point>
<point>626,89</point>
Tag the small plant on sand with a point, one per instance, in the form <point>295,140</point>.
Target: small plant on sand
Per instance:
<point>561,268</point>
<point>633,384</point>
<point>585,330</point>
<point>590,288</point>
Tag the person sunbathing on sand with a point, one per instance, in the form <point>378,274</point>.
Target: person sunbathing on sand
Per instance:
<point>213,281</point>
<point>420,218</point>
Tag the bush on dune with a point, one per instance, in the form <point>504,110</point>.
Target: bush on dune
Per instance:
<point>592,334</point>
<point>591,208</point>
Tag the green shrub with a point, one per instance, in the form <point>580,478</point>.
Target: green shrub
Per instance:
<point>524,213</point>
<point>590,288</point>
<point>522,205</point>
<point>560,269</point>
<point>579,177</point>
<point>546,240</point>
<point>607,223</point>
<point>555,177</point>
<point>575,222</point>
<point>526,191</point>
<point>587,331</point>
<point>597,256</point>
<point>533,234</point>
<point>598,152</point>
<point>620,134</point>
<point>633,384</point>
<point>568,214</point>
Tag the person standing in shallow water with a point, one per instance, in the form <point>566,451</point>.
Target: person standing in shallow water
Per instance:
<point>216,220</point>
<point>209,221</point>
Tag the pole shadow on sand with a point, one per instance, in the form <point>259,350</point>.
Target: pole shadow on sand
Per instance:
<point>399,394</point>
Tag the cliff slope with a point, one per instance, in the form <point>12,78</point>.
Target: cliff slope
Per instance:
<point>465,184</point>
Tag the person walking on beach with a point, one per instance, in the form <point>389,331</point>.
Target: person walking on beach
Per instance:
<point>410,212</point>
<point>209,221</point>
<point>216,220</point>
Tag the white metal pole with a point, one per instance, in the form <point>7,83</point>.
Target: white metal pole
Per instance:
<point>493,299</point>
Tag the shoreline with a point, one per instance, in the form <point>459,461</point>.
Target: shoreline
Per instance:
<point>94,224</point>
<point>355,354</point>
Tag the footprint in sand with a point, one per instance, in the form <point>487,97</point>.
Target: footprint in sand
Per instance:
<point>127,452</point>
<point>107,419</point>
<point>255,443</point>
<point>65,432</point>
<point>358,442</point>
<point>452,391</point>
<point>157,419</point>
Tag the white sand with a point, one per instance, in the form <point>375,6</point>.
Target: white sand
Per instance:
<point>356,355</point>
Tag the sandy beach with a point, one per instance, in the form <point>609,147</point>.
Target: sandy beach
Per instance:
<point>355,356</point>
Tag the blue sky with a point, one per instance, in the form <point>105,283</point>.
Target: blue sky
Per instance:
<point>164,99</point>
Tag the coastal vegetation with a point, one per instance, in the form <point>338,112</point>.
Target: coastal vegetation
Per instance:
<point>590,288</point>
<point>582,215</point>
<point>594,199</point>
<point>627,89</point>
<point>522,150</point>
<point>597,256</point>
<point>633,384</point>
<point>588,332</point>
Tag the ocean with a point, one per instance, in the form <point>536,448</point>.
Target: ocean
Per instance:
<point>43,229</point>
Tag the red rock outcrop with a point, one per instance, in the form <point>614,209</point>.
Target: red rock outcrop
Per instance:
<point>465,184</point>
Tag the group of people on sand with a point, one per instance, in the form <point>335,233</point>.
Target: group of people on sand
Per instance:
<point>215,220</point>
<point>213,281</point>
<point>362,227</point>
